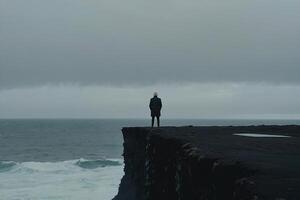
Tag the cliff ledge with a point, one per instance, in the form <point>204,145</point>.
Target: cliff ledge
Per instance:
<point>210,163</point>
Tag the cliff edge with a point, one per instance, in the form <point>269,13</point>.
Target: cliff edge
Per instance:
<point>210,163</point>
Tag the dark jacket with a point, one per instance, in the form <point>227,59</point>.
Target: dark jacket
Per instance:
<point>155,106</point>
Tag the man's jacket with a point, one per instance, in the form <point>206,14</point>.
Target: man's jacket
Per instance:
<point>155,106</point>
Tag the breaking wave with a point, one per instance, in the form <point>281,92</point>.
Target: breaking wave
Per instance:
<point>57,166</point>
<point>92,164</point>
<point>72,179</point>
<point>6,165</point>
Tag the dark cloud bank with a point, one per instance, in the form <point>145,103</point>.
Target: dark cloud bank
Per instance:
<point>117,42</point>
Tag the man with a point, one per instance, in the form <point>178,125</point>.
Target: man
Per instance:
<point>155,107</point>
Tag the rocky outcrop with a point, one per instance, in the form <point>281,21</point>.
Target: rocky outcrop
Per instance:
<point>195,163</point>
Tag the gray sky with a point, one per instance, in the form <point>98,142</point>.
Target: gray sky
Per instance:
<point>104,58</point>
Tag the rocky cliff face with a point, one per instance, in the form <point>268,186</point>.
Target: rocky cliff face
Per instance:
<point>158,166</point>
<point>210,163</point>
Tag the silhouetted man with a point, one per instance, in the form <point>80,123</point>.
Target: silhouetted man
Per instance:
<point>155,107</point>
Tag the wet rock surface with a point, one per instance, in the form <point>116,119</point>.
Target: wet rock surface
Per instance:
<point>195,163</point>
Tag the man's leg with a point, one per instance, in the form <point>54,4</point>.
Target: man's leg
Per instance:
<point>158,123</point>
<point>152,121</point>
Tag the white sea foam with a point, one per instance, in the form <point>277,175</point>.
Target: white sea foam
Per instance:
<point>66,180</point>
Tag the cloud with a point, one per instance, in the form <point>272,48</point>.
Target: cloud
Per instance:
<point>113,42</point>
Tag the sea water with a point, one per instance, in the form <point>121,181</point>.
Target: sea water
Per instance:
<point>72,159</point>
<point>60,180</point>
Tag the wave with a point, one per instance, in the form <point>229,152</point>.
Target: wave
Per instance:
<point>6,165</point>
<point>71,179</point>
<point>92,164</point>
<point>57,167</point>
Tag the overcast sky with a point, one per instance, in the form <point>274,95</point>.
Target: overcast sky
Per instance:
<point>105,58</point>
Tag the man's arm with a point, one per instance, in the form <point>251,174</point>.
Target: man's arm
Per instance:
<point>160,104</point>
<point>150,105</point>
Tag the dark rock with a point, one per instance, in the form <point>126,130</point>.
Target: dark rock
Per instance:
<point>203,163</point>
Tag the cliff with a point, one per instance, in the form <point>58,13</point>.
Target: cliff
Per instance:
<point>195,163</point>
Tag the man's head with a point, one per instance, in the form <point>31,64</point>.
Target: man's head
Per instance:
<point>155,94</point>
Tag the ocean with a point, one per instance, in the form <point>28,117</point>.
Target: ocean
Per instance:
<point>73,159</point>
